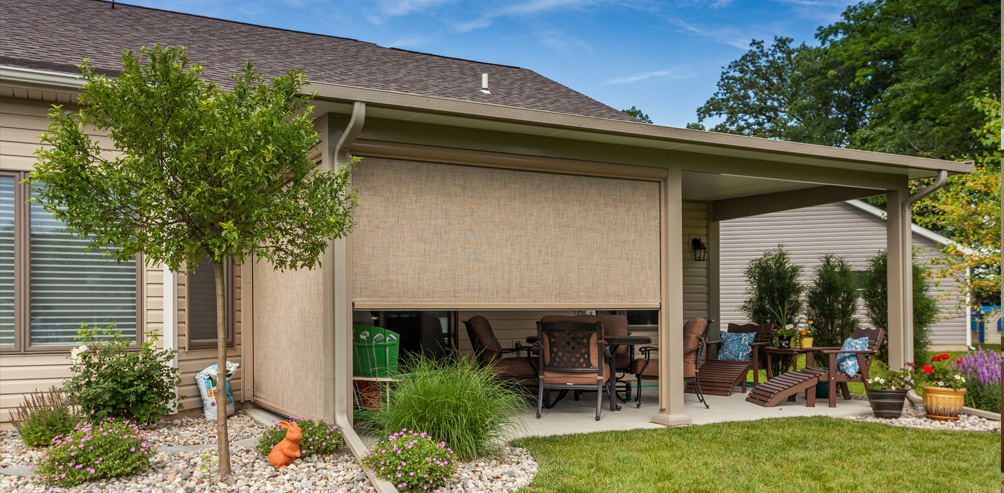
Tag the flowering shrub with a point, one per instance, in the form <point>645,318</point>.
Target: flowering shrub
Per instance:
<point>105,450</point>
<point>110,381</point>
<point>806,330</point>
<point>412,461</point>
<point>319,437</point>
<point>44,416</point>
<point>983,370</point>
<point>942,373</point>
<point>887,379</point>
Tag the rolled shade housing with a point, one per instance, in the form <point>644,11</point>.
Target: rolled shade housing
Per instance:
<point>446,236</point>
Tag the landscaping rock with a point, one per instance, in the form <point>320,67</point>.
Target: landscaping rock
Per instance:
<point>915,418</point>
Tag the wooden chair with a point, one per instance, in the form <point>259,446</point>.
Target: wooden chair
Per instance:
<point>758,359</point>
<point>572,357</point>
<point>865,358</point>
<point>489,352</point>
<point>695,333</point>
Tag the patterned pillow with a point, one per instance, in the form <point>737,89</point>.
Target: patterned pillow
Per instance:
<point>848,363</point>
<point>736,347</point>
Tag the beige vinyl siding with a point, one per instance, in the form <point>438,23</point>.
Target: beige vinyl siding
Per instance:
<point>192,361</point>
<point>807,235</point>
<point>21,123</point>
<point>696,294</point>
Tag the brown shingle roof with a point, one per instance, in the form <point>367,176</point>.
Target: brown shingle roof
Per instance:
<point>58,34</point>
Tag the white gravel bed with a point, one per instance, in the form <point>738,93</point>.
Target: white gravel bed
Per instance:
<point>914,418</point>
<point>513,469</point>
<point>197,430</point>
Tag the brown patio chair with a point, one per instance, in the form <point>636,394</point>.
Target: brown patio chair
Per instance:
<point>865,358</point>
<point>489,352</point>
<point>758,358</point>
<point>572,357</point>
<point>613,325</point>
<point>695,333</point>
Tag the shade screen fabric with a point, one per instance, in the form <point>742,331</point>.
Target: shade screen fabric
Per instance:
<point>70,286</point>
<point>441,234</point>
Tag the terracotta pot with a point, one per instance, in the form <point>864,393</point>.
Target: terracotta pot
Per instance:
<point>943,403</point>
<point>886,404</point>
<point>805,342</point>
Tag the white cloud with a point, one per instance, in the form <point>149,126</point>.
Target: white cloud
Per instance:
<point>677,73</point>
<point>525,8</point>
<point>821,11</point>
<point>408,40</point>
<point>394,8</point>
<point>731,37</point>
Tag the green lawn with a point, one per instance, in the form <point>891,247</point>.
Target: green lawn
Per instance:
<point>786,454</point>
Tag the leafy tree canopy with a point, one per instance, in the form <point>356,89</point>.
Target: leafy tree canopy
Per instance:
<point>635,112</point>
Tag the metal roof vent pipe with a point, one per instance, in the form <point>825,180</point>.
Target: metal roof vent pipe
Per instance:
<point>484,84</point>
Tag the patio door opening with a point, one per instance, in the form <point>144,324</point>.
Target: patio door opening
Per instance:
<point>428,333</point>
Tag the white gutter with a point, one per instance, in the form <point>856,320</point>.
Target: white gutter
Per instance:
<point>38,79</point>
<point>170,313</point>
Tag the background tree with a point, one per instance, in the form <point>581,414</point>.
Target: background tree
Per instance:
<point>831,302</point>
<point>968,211</point>
<point>635,112</point>
<point>773,293</point>
<point>203,172</point>
<point>874,291</point>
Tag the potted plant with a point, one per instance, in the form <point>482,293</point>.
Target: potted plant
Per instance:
<point>805,335</point>
<point>784,335</point>
<point>945,393</point>
<point>887,390</point>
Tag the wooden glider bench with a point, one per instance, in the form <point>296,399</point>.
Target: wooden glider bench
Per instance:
<point>787,385</point>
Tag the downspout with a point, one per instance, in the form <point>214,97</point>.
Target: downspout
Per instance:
<point>171,316</point>
<point>343,310</point>
<point>938,183</point>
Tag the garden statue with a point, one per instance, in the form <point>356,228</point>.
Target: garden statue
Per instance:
<point>286,451</point>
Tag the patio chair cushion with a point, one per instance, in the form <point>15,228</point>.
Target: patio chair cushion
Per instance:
<point>736,346</point>
<point>652,370</point>
<point>848,362</point>
<point>693,332</point>
<point>566,378</point>
<point>513,367</point>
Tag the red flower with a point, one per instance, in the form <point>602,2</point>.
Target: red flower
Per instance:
<point>927,369</point>
<point>945,356</point>
<point>935,359</point>
<point>958,361</point>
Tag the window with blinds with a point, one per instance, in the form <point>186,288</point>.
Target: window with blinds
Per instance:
<point>70,286</point>
<point>202,304</point>
<point>49,283</point>
<point>6,261</point>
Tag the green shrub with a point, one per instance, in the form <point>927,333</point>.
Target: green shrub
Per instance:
<point>985,397</point>
<point>411,460</point>
<point>455,401</point>
<point>319,437</point>
<point>830,302</point>
<point>874,291</point>
<point>43,416</point>
<point>105,450</point>
<point>773,293</point>
<point>110,381</point>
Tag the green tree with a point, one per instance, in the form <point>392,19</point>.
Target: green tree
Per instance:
<point>967,210</point>
<point>875,293</point>
<point>637,113</point>
<point>773,292</point>
<point>202,172</point>
<point>831,301</point>
<point>891,76</point>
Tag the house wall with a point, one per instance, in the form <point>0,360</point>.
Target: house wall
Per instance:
<point>22,121</point>
<point>194,360</point>
<point>809,233</point>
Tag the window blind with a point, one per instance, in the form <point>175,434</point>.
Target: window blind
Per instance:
<point>7,184</point>
<point>69,286</point>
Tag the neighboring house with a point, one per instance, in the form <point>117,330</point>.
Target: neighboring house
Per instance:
<point>853,230</point>
<point>510,200</point>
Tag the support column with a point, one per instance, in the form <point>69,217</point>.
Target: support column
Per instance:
<point>671,412</point>
<point>899,246</point>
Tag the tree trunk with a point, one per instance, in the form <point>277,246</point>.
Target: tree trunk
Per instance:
<point>222,438</point>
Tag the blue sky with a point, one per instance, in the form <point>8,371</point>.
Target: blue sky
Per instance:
<point>663,57</point>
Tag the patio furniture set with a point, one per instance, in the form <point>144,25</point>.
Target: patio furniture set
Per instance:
<point>597,353</point>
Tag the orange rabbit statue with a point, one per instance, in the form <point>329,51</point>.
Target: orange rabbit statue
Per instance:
<point>286,451</point>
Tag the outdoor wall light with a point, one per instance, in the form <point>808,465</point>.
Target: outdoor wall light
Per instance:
<point>700,249</point>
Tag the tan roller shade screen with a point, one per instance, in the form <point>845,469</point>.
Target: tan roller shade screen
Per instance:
<point>436,235</point>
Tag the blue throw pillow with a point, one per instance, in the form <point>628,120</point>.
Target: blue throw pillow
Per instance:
<point>736,347</point>
<point>848,363</point>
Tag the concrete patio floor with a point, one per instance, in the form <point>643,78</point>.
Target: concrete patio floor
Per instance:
<point>570,416</point>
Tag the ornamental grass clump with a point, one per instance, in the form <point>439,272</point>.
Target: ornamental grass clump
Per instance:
<point>455,401</point>
<point>982,369</point>
<point>412,461</point>
<point>319,437</point>
<point>43,416</point>
<point>95,451</point>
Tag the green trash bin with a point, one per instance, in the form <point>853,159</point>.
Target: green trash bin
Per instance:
<point>374,351</point>
<point>823,387</point>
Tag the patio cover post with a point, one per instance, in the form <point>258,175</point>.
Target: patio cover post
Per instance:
<point>671,411</point>
<point>899,247</point>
